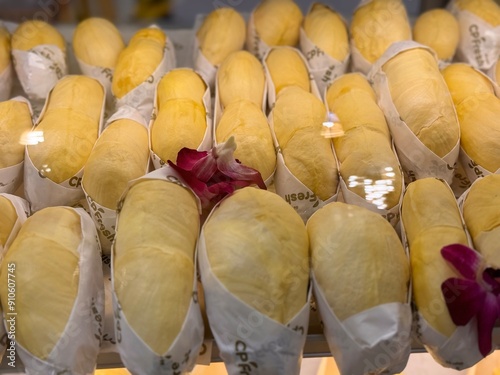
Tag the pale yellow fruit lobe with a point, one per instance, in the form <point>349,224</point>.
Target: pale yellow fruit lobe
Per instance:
<point>157,232</point>
<point>181,83</point>
<point>438,29</point>
<point>422,99</point>
<point>378,24</point>
<point>8,217</point>
<point>138,61</point>
<point>431,220</point>
<point>180,123</point>
<point>32,33</point>
<point>222,32</point>
<point>97,42</point>
<point>357,259</point>
<point>347,82</point>
<point>277,22</point>
<point>497,72</point>
<point>257,246</point>
<point>120,155</point>
<point>241,76</point>
<point>488,10</point>
<point>246,122</point>
<point>287,68</point>
<point>46,256</point>
<point>326,29</point>
<point>4,48</point>
<point>481,212</point>
<point>15,120</point>
<point>464,81</point>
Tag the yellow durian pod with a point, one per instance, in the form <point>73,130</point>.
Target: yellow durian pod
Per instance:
<point>360,270</point>
<point>180,83</point>
<point>52,279</point>
<point>497,72</point>
<point>375,25</point>
<point>39,54</point>
<point>481,210</point>
<point>6,72</point>
<point>157,231</point>
<point>478,110</point>
<point>254,261</point>
<point>438,29</point>
<point>246,122</point>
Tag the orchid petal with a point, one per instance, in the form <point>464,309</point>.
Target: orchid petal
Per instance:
<point>464,299</point>
<point>490,277</point>
<point>199,187</point>
<point>187,158</point>
<point>486,321</point>
<point>464,259</point>
<point>240,172</point>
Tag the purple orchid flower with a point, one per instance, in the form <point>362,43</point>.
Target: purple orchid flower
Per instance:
<point>476,294</point>
<point>216,173</point>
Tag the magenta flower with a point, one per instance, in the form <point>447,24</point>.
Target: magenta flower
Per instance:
<point>216,173</point>
<point>476,294</point>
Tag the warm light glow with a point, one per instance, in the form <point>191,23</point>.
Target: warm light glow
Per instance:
<point>31,138</point>
<point>375,190</point>
<point>332,127</point>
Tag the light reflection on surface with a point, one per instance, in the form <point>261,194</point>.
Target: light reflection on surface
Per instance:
<point>332,127</point>
<point>375,190</point>
<point>32,138</point>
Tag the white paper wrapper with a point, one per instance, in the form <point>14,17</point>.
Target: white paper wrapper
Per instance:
<point>103,75</point>
<point>202,66</point>
<point>42,192</point>
<point>416,159</point>
<point>375,341</point>
<point>108,344</point>
<point>254,44</point>
<point>492,72</point>
<point>105,218</point>
<point>134,352</point>
<point>76,351</point>
<point>249,342</point>
<point>6,78</point>
<point>206,143</point>
<point>142,97</point>
<point>358,62</point>
<point>39,69</point>
<point>460,181</point>
<point>479,43</point>
<point>472,169</point>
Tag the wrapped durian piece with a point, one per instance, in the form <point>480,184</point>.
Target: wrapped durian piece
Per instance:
<point>479,22</point>
<point>15,124</point>
<point>254,261</point>
<point>147,57</point>
<point>478,110</point>
<point>419,110</point>
<point>246,122</point>
<point>287,67</point>
<point>157,231</point>
<point>375,25</point>
<point>481,210</point>
<point>438,29</point>
<point>368,165</point>
<point>54,266</point>
<point>306,171</point>
<point>324,40</point>
<point>121,154</point>
<point>222,32</point>
<point>69,126</point>
<point>39,54</point>
<point>361,282</point>
<point>182,116</point>
<point>273,23</point>
<point>97,43</point>
<point>6,69</point>
<point>430,220</point>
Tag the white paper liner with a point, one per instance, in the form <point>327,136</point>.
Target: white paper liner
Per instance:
<point>142,97</point>
<point>479,43</point>
<point>460,181</point>
<point>39,69</point>
<point>322,66</point>
<point>182,354</point>
<point>202,66</point>
<point>6,78</point>
<point>472,169</point>
<point>206,143</point>
<point>254,44</point>
<point>42,192</point>
<point>103,75</point>
<point>104,217</point>
<point>249,342</point>
<point>416,159</point>
<point>374,341</point>
<point>23,211</point>
<point>76,351</point>
<point>358,61</point>
<point>492,72</point>
<point>108,344</point>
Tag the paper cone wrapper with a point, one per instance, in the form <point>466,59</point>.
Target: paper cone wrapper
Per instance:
<point>137,356</point>
<point>41,191</point>
<point>206,143</point>
<point>76,351</point>
<point>6,78</point>
<point>103,75</point>
<point>375,341</point>
<point>202,66</point>
<point>460,181</point>
<point>39,69</point>
<point>23,211</point>
<point>108,344</point>
<point>104,217</point>
<point>416,159</point>
<point>479,43</point>
<point>142,97</point>
<point>249,342</point>
<point>473,170</point>
<point>492,72</point>
<point>323,67</point>
<point>254,44</point>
